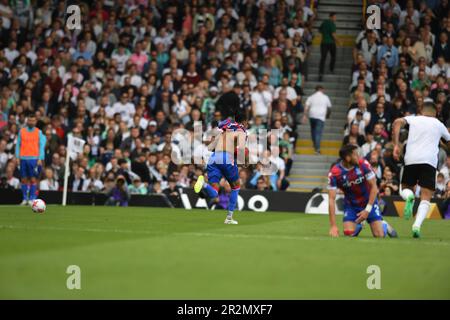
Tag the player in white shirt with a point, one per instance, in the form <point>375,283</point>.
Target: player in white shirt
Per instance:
<point>421,159</point>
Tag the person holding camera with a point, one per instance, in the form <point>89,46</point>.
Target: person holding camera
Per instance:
<point>118,195</point>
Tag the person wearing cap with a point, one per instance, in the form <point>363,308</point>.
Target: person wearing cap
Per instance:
<point>118,195</point>
<point>137,187</point>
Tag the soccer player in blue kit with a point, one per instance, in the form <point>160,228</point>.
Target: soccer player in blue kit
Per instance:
<point>229,151</point>
<point>356,178</point>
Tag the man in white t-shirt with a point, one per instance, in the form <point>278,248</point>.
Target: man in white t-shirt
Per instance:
<point>317,108</point>
<point>261,102</point>
<point>421,159</point>
<point>124,107</point>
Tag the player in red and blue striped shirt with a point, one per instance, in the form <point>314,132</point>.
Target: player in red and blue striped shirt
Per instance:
<point>356,178</point>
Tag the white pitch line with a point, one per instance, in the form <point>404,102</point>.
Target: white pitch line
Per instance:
<point>307,238</point>
<point>226,235</point>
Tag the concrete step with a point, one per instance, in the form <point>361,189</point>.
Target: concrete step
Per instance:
<point>315,168</point>
<point>339,4</point>
<point>323,173</point>
<point>304,190</point>
<point>345,15</point>
<point>325,135</point>
<point>340,72</point>
<point>335,85</point>
<point>328,151</point>
<point>344,60</point>
<point>327,91</point>
<point>325,143</point>
<point>308,178</point>
<point>330,123</point>
<point>318,172</point>
<point>339,50</point>
<point>341,25</point>
<point>345,78</point>
<point>307,185</point>
<point>334,132</point>
<point>302,159</point>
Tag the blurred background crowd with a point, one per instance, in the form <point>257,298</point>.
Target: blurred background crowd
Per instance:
<point>136,71</point>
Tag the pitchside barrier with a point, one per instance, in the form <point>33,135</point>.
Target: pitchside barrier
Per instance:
<point>249,200</point>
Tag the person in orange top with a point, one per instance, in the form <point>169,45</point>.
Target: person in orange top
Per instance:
<point>30,151</point>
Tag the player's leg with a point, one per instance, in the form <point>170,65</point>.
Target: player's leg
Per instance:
<point>407,192</point>
<point>379,230</point>
<point>33,189</point>
<point>34,180</point>
<point>24,186</point>
<point>422,211</point>
<point>351,228</point>
<point>231,173</point>
<point>211,188</point>
<point>427,183</point>
<point>214,175</point>
<point>379,227</point>
<point>24,176</point>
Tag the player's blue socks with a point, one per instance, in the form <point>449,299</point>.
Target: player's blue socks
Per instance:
<point>357,230</point>
<point>24,188</point>
<point>210,191</point>
<point>33,189</point>
<point>233,201</point>
<point>385,228</point>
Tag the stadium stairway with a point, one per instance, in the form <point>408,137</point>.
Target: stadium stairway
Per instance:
<point>309,171</point>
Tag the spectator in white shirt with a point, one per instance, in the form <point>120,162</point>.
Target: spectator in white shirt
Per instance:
<point>11,52</point>
<point>440,68</point>
<point>261,102</point>
<point>362,107</point>
<point>49,183</point>
<point>317,108</point>
<point>122,56</point>
<point>12,181</point>
<point>125,108</point>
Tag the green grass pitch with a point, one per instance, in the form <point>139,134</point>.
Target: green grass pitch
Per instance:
<point>151,253</point>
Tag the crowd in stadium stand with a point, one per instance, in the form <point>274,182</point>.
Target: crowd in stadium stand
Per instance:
<point>397,69</point>
<point>139,69</point>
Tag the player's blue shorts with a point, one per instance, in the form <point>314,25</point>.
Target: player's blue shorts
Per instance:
<point>29,168</point>
<point>221,164</point>
<point>350,213</point>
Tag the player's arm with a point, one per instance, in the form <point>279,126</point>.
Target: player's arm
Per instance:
<point>18,144</point>
<point>396,127</point>
<point>334,231</point>
<point>306,111</point>
<point>42,143</point>
<point>446,137</point>
<point>240,142</point>
<point>372,197</point>
<point>332,189</point>
<point>215,139</point>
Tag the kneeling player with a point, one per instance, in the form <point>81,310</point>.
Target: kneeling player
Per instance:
<point>355,177</point>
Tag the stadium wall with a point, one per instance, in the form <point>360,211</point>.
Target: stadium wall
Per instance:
<point>251,200</point>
